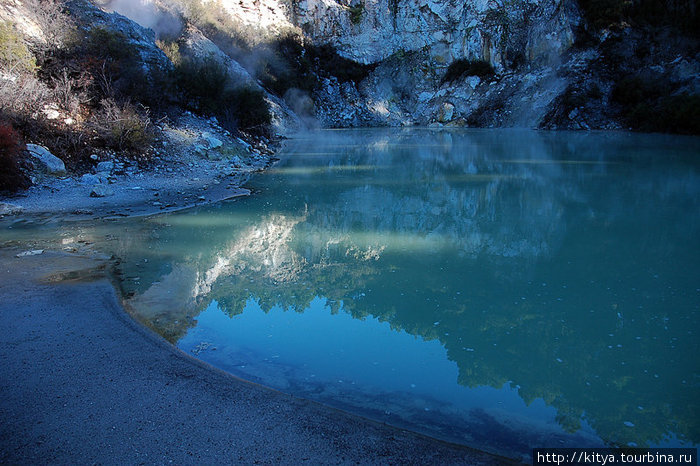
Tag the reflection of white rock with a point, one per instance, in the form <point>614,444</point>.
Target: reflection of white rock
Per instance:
<point>263,249</point>
<point>266,251</point>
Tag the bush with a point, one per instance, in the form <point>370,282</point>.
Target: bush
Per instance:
<point>649,105</point>
<point>681,114</point>
<point>203,81</point>
<point>22,97</point>
<point>206,83</point>
<point>122,126</point>
<point>679,14</point>
<point>56,26</point>
<point>285,65</point>
<point>12,178</point>
<point>676,114</point>
<point>464,67</point>
<point>69,91</point>
<point>118,72</point>
<point>328,62</point>
<point>171,49</point>
<point>356,12</point>
<point>15,57</point>
<point>250,109</point>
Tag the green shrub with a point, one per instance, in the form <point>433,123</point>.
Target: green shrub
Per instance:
<point>206,84</point>
<point>679,14</point>
<point>247,107</point>
<point>464,67</point>
<point>681,114</point>
<point>631,90</point>
<point>675,114</point>
<point>356,12</point>
<point>14,54</point>
<point>285,65</point>
<point>118,71</point>
<point>203,81</point>
<point>327,62</point>
<point>290,65</point>
<point>110,45</point>
<point>12,178</point>
<point>123,126</point>
<point>171,49</point>
<point>649,105</point>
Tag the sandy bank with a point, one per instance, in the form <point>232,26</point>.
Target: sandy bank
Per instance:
<point>83,383</point>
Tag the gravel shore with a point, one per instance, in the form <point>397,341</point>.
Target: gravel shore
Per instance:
<point>82,383</point>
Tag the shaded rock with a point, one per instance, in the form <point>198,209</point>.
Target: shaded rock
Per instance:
<point>105,167</point>
<point>101,190</point>
<point>89,178</point>
<point>47,162</point>
<point>210,142</point>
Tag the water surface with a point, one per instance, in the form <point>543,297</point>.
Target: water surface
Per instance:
<point>498,288</point>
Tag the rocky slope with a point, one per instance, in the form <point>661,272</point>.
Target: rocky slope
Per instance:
<point>554,63</point>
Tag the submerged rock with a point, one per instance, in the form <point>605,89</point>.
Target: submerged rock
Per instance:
<point>34,252</point>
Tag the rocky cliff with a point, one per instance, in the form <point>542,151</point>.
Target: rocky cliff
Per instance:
<point>554,63</point>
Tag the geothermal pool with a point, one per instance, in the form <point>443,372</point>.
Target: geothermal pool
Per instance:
<point>503,289</point>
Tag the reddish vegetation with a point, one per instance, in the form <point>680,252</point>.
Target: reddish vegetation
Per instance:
<point>11,176</point>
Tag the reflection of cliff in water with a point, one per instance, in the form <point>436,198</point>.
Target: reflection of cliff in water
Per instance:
<point>551,262</point>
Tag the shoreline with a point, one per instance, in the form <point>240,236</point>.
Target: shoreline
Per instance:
<point>66,378</point>
<point>195,162</point>
<point>82,381</point>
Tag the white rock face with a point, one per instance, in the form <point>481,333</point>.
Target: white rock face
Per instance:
<point>46,161</point>
<point>449,29</point>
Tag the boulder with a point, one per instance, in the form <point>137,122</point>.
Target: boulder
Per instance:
<point>46,161</point>
<point>100,190</point>
<point>446,112</point>
<point>210,142</point>
<point>89,178</point>
<point>105,167</point>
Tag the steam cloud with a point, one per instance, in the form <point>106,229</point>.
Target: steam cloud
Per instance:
<point>147,14</point>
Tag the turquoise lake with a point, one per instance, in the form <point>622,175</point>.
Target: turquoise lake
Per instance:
<point>503,289</point>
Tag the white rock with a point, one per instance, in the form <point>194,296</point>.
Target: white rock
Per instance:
<point>49,163</point>
<point>10,209</point>
<point>51,114</point>
<point>473,81</point>
<point>34,252</point>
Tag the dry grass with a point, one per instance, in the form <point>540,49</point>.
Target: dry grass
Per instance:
<point>122,126</point>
